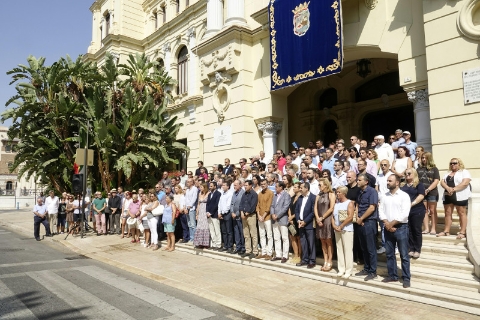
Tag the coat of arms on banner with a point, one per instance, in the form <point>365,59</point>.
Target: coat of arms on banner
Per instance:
<point>301,19</point>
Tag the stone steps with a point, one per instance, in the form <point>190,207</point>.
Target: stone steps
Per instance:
<point>442,276</point>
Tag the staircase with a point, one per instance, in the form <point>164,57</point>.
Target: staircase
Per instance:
<point>442,276</point>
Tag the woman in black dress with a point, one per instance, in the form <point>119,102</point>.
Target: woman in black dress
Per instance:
<point>294,238</point>
<point>416,191</point>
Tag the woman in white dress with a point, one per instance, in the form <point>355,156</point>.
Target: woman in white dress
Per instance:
<point>402,162</point>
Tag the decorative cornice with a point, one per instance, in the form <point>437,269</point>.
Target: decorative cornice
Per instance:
<point>232,33</point>
<point>269,128</point>
<point>261,16</point>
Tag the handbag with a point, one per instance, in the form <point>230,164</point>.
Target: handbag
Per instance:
<point>158,211</point>
<point>342,215</point>
<point>140,225</point>
<point>355,215</point>
<point>177,213</point>
<point>292,229</point>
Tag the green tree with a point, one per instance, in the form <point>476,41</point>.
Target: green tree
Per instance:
<point>123,105</point>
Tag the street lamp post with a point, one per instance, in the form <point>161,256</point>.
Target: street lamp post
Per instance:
<point>85,167</point>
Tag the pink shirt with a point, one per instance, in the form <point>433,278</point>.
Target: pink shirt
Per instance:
<point>135,208</point>
<point>281,163</point>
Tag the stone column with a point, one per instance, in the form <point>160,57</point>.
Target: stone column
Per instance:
<point>421,108</point>
<point>167,51</point>
<point>96,37</point>
<point>236,12</point>
<point>269,127</point>
<point>192,63</point>
<point>214,17</point>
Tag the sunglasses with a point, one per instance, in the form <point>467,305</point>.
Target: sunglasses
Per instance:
<point>453,163</point>
<point>408,173</point>
<point>383,164</point>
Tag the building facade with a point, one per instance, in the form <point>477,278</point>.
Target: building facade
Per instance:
<point>417,53</point>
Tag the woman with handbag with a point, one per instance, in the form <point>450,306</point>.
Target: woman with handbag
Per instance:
<point>202,233</point>
<point>144,220</point>
<point>343,226</point>
<point>134,213</point>
<point>323,216</point>
<point>293,225</point>
<point>152,220</point>
<point>457,191</point>
<point>125,204</point>
<point>168,220</point>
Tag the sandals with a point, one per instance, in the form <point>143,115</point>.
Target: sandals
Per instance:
<point>326,267</point>
<point>425,232</point>
<point>443,234</point>
<point>461,235</point>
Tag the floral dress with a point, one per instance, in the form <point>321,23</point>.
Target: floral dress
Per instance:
<point>202,233</point>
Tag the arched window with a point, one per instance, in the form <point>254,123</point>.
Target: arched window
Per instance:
<point>182,75</point>
<point>9,185</point>
<point>328,99</point>
<point>161,64</point>
<point>10,166</point>
<point>107,24</point>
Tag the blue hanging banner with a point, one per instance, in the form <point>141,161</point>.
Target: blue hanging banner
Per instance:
<point>305,40</point>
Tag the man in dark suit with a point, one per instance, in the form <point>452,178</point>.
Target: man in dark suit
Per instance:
<point>228,169</point>
<point>237,219</point>
<point>212,214</point>
<point>304,213</point>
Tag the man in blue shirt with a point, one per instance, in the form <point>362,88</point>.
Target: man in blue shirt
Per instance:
<point>409,144</point>
<point>162,199</point>
<point>367,208</point>
<point>329,162</point>
<point>40,216</point>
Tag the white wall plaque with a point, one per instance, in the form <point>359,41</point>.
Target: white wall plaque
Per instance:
<point>222,136</point>
<point>471,85</point>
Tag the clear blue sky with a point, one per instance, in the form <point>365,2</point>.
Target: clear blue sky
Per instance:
<point>42,28</point>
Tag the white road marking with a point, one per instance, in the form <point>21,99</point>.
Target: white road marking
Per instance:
<point>176,307</point>
<point>86,303</point>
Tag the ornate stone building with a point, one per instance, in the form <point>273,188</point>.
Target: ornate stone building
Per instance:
<point>412,54</point>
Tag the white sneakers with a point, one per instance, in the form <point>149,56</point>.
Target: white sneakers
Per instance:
<point>381,250</point>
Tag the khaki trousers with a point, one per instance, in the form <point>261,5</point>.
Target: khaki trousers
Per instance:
<point>215,233</point>
<point>280,234</point>
<point>52,220</point>
<point>250,233</point>
<point>344,242</point>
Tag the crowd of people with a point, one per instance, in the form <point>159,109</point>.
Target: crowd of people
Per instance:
<point>364,200</point>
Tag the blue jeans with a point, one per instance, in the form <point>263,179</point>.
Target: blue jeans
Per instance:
<point>239,238</point>
<point>399,238</point>
<point>192,223</point>
<point>368,242</point>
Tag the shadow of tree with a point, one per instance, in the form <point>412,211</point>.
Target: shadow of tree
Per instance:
<point>33,300</point>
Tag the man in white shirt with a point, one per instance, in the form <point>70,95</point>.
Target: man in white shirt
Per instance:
<point>314,188</point>
<point>308,162</point>
<point>354,142</point>
<point>394,209</point>
<point>383,149</point>
<point>190,201</point>
<point>183,178</point>
<point>51,203</point>
<point>263,158</point>
<point>225,217</point>
<point>295,158</point>
<point>40,216</point>
<point>382,189</point>
<point>339,178</point>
